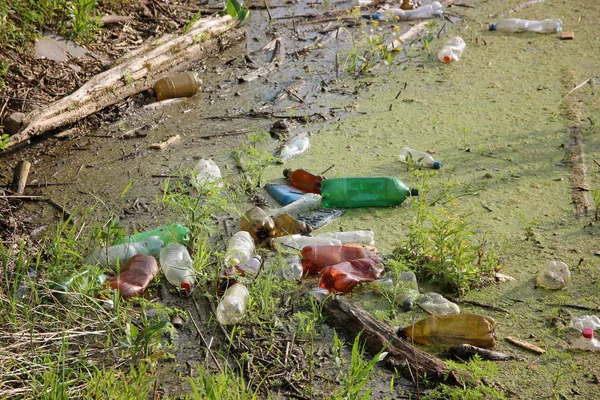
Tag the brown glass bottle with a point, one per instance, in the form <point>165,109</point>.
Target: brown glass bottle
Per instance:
<point>285,224</point>
<point>473,329</point>
<point>185,84</point>
<point>259,225</point>
<point>344,276</point>
<point>315,258</point>
<point>304,180</point>
<point>135,276</point>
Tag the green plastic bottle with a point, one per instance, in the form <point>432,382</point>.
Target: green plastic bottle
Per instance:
<point>383,191</point>
<point>168,234</point>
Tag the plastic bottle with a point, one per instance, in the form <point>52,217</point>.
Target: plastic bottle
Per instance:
<point>436,304</point>
<point>108,256</point>
<point>315,258</point>
<point>307,202</point>
<point>452,50</point>
<point>135,276</point>
<point>362,237</point>
<point>555,275</point>
<point>232,307</point>
<point>385,191</point>
<point>239,248</point>
<point>473,329</point>
<point>344,276</point>
<point>294,148</point>
<point>259,224</point>
<point>397,14</point>
<point>524,25</point>
<point>292,270</point>
<point>169,233</point>
<point>586,341</point>
<point>81,282</point>
<point>285,224</point>
<point>206,172</point>
<point>419,158</point>
<point>177,265</point>
<point>586,321</point>
<point>299,242</point>
<point>405,289</point>
<point>185,84</point>
<point>248,270</point>
<point>284,194</point>
<point>304,180</point>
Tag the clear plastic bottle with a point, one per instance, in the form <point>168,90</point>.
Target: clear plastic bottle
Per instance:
<point>586,341</point>
<point>177,265</point>
<point>436,304</point>
<point>240,273</point>
<point>108,256</point>
<point>525,25</point>
<point>473,329</point>
<point>299,242</point>
<point>405,289</point>
<point>344,276</point>
<point>169,233</point>
<point>239,248</point>
<point>431,10</point>
<point>232,307</point>
<point>304,180</point>
<point>452,50</point>
<point>206,171</point>
<point>294,148</point>
<point>385,191</point>
<point>259,224</point>
<point>555,275</point>
<point>185,84</point>
<point>363,237</point>
<point>292,270</point>
<point>135,276</point>
<point>419,158</point>
<point>315,258</point>
<point>308,202</point>
<point>586,321</point>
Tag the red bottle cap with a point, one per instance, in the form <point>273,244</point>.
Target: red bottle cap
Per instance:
<point>588,333</point>
<point>185,285</point>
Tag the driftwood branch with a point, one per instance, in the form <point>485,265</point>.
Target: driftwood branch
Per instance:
<point>376,334</point>
<point>135,72</point>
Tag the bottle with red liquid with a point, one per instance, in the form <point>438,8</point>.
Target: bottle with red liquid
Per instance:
<point>315,258</point>
<point>259,224</point>
<point>247,270</point>
<point>344,276</point>
<point>135,276</point>
<point>304,180</point>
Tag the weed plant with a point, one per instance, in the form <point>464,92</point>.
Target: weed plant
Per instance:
<point>252,159</point>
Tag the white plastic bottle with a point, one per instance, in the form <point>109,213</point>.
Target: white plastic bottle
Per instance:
<point>436,304</point>
<point>299,241</point>
<point>232,307</point>
<point>525,25</point>
<point>586,321</point>
<point>294,148</point>
<point>452,50</point>
<point>419,158</point>
<point>206,171</point>
<point>108,256</point>
<point>587,341</point>
<point>308,202</point>
<point>239,248</point>
<point>427,11</point>
<point>177,265</point>
<point>364,237</point>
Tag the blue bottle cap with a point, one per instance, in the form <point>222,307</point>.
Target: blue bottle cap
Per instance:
<point>437,165</point>
<point>492,27</point>
<point>376,16</point>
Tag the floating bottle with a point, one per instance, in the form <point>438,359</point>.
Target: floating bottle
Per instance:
<point>473,329</point>
<point>177,265</point>
<point>294,148</point>
<point>284,194</point>
<point>307,202</point>
<point>431,10</point>
<point>299,242</point>
<point>385,191</point>
<point>246,271</point>
<point>108,256</point>
<point>315,258</point>
<point>185,84</point>
<point>405,289</point>
<point>285,224</point>
<point>555,275</point>
<point>452,50</point>
<point>586,341</point>
<point>239,248</point>
<point>232,307</point>
<point>304,180</point>
<point>436,304</point>
<point>418,158</point>
<point>135,276</point>
<point>206,172</point>
<point>525,25</point>
<point>259,224</point>
<point>344,276</point>
<point>169,233</point>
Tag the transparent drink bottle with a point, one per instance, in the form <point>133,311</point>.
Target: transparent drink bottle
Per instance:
<point>525,25</point>
<point>452,51</point>
<point>108,256</point>
<point>177,265</point>
<point>169,233</point>
<point>232,307</point>
<point>418,158</point>
<point>239,248</point>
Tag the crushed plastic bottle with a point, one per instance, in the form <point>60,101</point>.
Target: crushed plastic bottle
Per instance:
<point>299,242</point>
<point>306,203</point>
<point>135,276</point>
<point>473,329</point>
<point>239,248</point>
<point>405,289</point>
<point>385,191</point>
<point>436,304</point>
<point>524,25</point>
<point>185,84</point>
<point>294,148</point>
<point>259,224</point>
<point>315,258</point>
<point>108,256</point>
<point>587,341</point>
<point>344,276</point>
<point>555,275</point>
<point>418,158</point>
<point>452,50</point>
<point>304,180</point>
<point>232,307</point>
<point>586,321</point>
<point>431,10</point>
<point>177,265</point>
<point>206,172</point>
<point>169,233</point>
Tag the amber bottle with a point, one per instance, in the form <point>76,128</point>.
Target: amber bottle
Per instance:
<point>135,276</point>
<point>259,225</point>
<point>185,84</point>
<point>344,276</point>
<point>304,180</point>
<point>315,258</point>
<point>285,224</point>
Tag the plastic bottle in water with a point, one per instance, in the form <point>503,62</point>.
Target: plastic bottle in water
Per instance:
<point>586,341</point>
<point>135,276</point>
<point>473,329</point>
<point>344,276</point>
<point>169,233</point>
<point>315,258</point>
<point>177,265</point>
<point>239,248</point>
<point>308,202</point>
<point>206,172</point>
<point>431,10</point>
<point>185,84</point>
<point>405,289</point>
<point>586,321</point>
<point>385,191</point>
<point>418,158</point>
<point>294,148</point>
<point>452,50</point>
<point>525,25</point>
<point>232,307</point>
<point>304,180</point>
<point>555,275</point>
<point>259,224</point>
<point>299,242</point>
<point>436,304</point>
<point>108,256</point>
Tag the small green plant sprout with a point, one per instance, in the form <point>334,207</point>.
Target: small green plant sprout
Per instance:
<point>252,158</point>
<point>85,22</point>
<point>596,201</point>
<point>236,9</point>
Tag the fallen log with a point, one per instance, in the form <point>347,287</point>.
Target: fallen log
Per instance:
<point>376,334</point>
<point>133,73</point>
